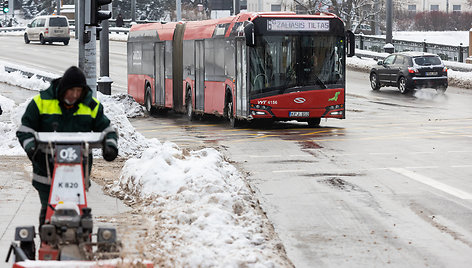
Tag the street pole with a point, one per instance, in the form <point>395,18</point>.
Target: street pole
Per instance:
<point>76,15</point>
<point>90,64</point>
<point>11,6</point>
<point>178,6</point>
<point>133,10</point>
<point>236,7</point>
<point>377,19</point>
<point>58,7</point>
<point>80,21</point>
<point>389,7</point>
<point>104,81</point>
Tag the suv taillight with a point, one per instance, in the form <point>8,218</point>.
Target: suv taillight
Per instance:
<point>412,70</point>
<point>445,69</point>
<point>46,30</point>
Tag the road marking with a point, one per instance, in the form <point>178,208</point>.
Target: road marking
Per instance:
<point>420,152</point>
<point>261,156</point>
<point>461,166</point>
<point>288,171</point>
<point>435,184</point>
<point>417,167</point>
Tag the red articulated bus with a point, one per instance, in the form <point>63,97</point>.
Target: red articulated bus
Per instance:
<point>253,66</point>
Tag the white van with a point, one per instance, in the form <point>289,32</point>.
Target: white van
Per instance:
<point>48,29</point>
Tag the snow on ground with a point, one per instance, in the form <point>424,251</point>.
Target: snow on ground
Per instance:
<point>454,38</point>
<point>207,214</point>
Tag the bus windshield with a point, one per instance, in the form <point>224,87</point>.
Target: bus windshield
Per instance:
<point>296,62</point>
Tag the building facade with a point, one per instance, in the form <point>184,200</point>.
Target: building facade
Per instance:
<point>447,6</point>
<point>410,5</point>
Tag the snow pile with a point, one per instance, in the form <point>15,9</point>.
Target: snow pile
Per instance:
<point>204,209</point>
<point>454,38</point>
<point>460,79</point>
<point>9,144</point>
<point>118,108</point>
<point>18,79</point>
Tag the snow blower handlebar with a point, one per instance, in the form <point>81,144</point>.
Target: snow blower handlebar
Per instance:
<point>94,139</point>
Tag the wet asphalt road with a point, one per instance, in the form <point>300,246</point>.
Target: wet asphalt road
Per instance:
<point>388,186</point>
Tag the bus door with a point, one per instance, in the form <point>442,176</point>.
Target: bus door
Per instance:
<point>199,75</point>
<point>159,53</point>
<point>241,79</point>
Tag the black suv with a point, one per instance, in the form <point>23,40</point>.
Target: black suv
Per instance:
<point>410,70</point>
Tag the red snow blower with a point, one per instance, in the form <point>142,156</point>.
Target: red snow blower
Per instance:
<point>67,236</point>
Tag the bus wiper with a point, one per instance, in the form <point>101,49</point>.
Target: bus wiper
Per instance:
<point>318,81</point>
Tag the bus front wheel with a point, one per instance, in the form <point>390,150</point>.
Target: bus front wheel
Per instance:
<point>314,122</point>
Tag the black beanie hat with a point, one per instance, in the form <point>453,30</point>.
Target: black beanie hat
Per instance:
<point>73,77</point>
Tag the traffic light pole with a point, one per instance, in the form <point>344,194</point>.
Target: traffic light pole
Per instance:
<point>79,31</point>
<point>104,81</point>
<point>90,64</point>
<point>90,16</point>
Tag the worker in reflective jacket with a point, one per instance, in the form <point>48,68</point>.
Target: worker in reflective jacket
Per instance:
<point>66,106</point>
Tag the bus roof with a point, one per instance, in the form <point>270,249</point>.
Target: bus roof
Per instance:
<point>203,29</point>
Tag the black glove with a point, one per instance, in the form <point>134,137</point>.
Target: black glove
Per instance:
<point>110,152</point>
<point>30,153</point>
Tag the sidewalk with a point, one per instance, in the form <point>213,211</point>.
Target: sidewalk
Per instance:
<point>19,202</point>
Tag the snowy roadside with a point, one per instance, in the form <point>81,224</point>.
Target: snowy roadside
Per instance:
<point>206,214</point>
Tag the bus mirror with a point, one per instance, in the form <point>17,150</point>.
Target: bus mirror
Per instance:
<point>249,33</point>
<point>350,44</point>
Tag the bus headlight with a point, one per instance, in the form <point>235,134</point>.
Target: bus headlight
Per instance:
<point>335,107</point>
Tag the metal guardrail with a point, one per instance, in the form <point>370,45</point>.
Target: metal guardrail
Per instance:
<point>446,52</point>
<point>10,69</point>
<point>72,29</point>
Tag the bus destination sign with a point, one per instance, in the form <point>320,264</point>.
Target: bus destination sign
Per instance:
<point>298,25</point>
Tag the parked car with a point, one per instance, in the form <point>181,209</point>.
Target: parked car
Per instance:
<point>48,29</point>
<point>410,70</point>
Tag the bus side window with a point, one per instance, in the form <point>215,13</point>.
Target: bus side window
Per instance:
<point>136,58</point>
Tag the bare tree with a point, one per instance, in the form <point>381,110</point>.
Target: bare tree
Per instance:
<point>354,13</point>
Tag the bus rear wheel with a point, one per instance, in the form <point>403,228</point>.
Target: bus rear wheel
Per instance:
<point>314,122</point>
<point>233,121</point>
<point>148,102</point>
<point>189,106</point>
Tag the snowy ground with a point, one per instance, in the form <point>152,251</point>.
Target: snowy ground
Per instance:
<point>207,215</point>
<point>454,38</point>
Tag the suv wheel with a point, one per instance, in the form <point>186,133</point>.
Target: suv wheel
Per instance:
<point>402,85</point>
<point>27,41</point>
<point>374,81</point>
<point>66,43</point>
<point>441,90</point>
<point>41,39</point>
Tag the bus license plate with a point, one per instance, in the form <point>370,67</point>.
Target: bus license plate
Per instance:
<point>431,73</point>
<point>299,114</point>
